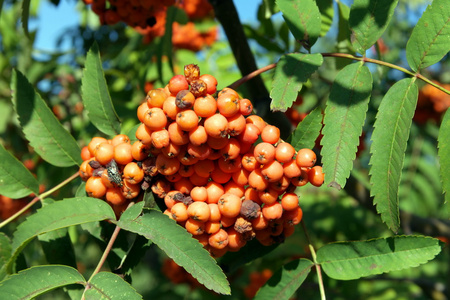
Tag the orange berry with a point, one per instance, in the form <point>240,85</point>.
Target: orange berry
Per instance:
<point>114,196</point>
<point>284,152</point>
<point>205,106</point>
<point>228,104</point>
<point>270,134</point>
<point>123,153</point>
<point>155,118</point>
<point>219,239</point>
<point>264,153</point>
<point>199,193</point>
<point>316,176</point>
<point>133,173</point>
<point>187,120</point>
<point>195,227</point>
<point>216,126</point>
<point>167,166</point>
<point>119,139</point>
<point>95,187</point>
<point>104,153</point>
<point>199,211</point>
<point>306,158</point>
<point>272,211</point>
<point>289,201</point>
<point>229,205</point>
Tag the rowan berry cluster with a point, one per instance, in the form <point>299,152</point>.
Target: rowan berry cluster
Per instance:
<point>148,17</point>
<point>199,150</point>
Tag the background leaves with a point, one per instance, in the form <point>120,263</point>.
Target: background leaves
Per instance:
<point>303,19</point>
<point>428,42</point>
<point>291,72</point>
<point>46,135</point>
<point>15,180</point>
<point>352,260</point>
<point>368,20</point>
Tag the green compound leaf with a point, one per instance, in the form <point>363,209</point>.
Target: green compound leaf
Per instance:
<point>303,19</point>
<point>60,214</point>
<point>179,245</point>
<point>95,94</point>
<point>444,157</point>
<point>109,286</point>
<point>291,72</point>
<point>307,131</point>
<point>353,260</point>
<point>5,253</point>
<point>429,40</point>
<point>344,117</point>
<point>327,12</point>
<point>368,20</point>
<point>35,281</point>
<point>15,180</point>
<point>285,281</point>
<point>390,137</point>
<point>46,135</point>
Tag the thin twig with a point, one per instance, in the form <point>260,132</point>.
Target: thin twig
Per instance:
<point>255,73</point>
<point>38,198</point>
<point>316,264</point>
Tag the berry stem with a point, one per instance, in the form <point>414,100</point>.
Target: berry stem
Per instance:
<point>316,264</point>
<point>107,250</point>
<point>255,73</point>
<point>17,214</point>
<point>38,198</point>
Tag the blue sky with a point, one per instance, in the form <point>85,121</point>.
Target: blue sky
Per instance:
<point>66,15</point>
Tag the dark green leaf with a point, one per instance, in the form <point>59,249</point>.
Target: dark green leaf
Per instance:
<point>178,244</point>
<point>352,260</point>
<point>95,94</point>
<point>58,215</point>
<point>291,72</point>
<point>344,29</point>
<point>303,19</point>
<point>344,117</point>
<point>46,135</point>
<point>57,246</point>
<point>307,131</point>
<point>368,20</point>
<point>15,180</point>
<point>132,133</point>
<point>5,253</point>
<point>81,190</point>
<point>390,138</point>
<point>32,282</point>
<point>285,281</point>
<point>1,7</point>
<point>428,42</point>
<point>106,285</point>
<point>134,255</point>
<point>444,157</point>
<point>327,11</point>
<point>25,16</point>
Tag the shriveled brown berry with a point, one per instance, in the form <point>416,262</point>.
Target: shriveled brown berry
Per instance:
<point>198,88</point>
<point>250,209</point>
<point>184,99</point>
<point>191,72</point>
<point>149,166</point>
<point>242,225</point>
